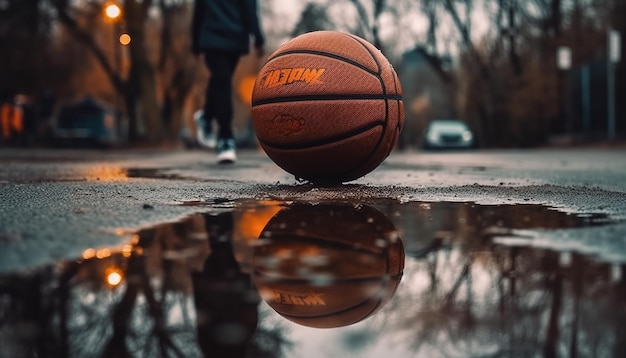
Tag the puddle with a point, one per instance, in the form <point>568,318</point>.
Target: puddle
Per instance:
<point>330,279</point>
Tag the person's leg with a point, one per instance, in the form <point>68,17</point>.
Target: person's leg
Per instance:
<point>219,99</point>
<point>204,130</point>
<point>219,103</point>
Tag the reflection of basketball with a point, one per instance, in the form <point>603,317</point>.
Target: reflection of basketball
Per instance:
<point>328,265</point>
<point>327,107</point>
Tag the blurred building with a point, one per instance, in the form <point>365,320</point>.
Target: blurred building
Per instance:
<point>428,92</point>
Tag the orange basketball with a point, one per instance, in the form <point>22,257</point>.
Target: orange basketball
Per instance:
<point>327,107</point>
<point>328,265</point>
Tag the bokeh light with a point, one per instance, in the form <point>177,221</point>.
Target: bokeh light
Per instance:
<point>114,277</point>
<point>112,11</point>
<point>125,39</point>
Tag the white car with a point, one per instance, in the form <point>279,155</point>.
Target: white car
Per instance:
<point>448,134</point>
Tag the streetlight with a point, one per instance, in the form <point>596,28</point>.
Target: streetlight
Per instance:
<point>564,63</point>
<point>613,57</point>
<point>112,11</point>
<point>125,39</point>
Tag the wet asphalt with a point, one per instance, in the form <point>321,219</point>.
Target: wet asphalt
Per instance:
<point>54,204</point>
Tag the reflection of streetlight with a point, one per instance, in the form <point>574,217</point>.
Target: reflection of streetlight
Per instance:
<point>114,277</point>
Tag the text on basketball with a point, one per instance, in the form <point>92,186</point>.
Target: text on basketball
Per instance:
<point>309,299</point>
<point>287,76</point>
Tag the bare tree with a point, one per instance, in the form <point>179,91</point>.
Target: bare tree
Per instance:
<point>312,18</point>
<point>139,89</point>
<point>178,70</point>
<point>369,24</point>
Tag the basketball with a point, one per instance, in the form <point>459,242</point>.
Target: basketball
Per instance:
<point>327,107</point>
<point>327,265</point>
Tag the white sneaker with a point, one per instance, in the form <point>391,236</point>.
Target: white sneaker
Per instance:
<point>204,133</point>
<point>226,151</point>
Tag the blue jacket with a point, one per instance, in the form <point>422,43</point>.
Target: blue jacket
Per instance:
<point>225,26</point>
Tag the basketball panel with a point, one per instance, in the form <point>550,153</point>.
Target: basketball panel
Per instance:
<point>331,162</point>
<point>341,319</point>
<point>303,124</point>
<point>387,72</point>
<point>400,117</point>
<point>336,224</point>
<point>300,260</point>
<point>388,141</point>
<point>340,304</point>
<point>390,81</point>
<point>395,122</point>
<point>306,300</point>
<point>310,75</point>
<point>337,43</point>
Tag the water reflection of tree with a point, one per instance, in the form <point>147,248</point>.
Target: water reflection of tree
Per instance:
<point>71,311</point>
<point>28,298</point>
<point>466,296</point>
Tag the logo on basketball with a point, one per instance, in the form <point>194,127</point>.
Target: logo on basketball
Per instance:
<point>287,124</point>
<point>287,76</point>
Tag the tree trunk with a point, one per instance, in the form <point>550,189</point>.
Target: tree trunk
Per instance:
<point>555,17</point>
<point>145,122</point>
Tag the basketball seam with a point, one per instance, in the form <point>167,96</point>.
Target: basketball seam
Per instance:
<point>336,56</point>
<point>329,55</point>
<point>397,88</point>
<point>384,91</point>
<point>315,240</point>
<point>268,278</point>
<point>377,305</point>
<point>326,97</point>
<point>324,141</point>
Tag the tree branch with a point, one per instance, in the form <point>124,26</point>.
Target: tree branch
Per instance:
<point>88,40</point>
<point>467,40</point>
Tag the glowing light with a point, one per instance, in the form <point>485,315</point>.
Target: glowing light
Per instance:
<point>105,173</point>
<point>112,11</point>
<point>127,250</point>
<point>89,253</point>
<point>114,277</point>
<point>102,253</point>
<point>125,39</point>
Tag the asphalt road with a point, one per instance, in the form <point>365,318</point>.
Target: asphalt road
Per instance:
<point>56,203</point>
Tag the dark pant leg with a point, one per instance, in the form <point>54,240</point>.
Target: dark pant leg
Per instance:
<point>219,101</point>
